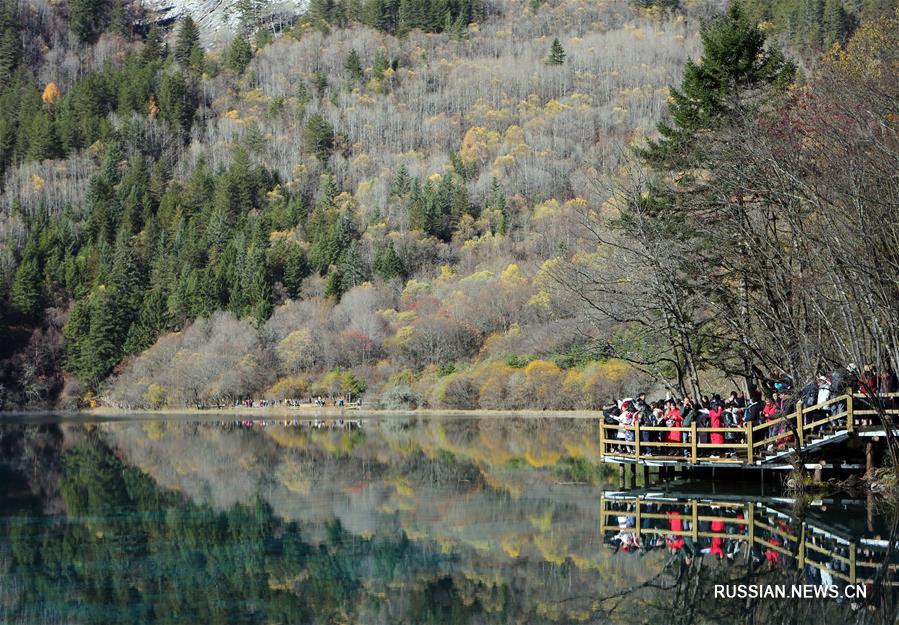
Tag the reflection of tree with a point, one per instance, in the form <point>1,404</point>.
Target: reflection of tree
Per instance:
<point>129,552</point>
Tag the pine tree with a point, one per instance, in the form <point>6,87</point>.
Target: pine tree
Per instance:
<point>26,288</point>
<point>387,264</point>
<point>239,55</point>
<point>154,47</point>
<point>188,39</point>
<point>75,334</point>
<point>556,53</point>
<point>726,83</point>
<point>88,18</point>
<point>152,321</point>
<point>120,22</point>
<point>10,42</point>
<point>318,137</point>
<point>837,24</point>
<point>106,338</point>
<point>353,270</point>
<point>296,268</point>
<point>402,182</point>
<point>353,66</point>
<point>43,142</point>
<point>178,100</point>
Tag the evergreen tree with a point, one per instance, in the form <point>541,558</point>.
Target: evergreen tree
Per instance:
<point>402,182</point>
<point>75,335</point>
<point>42,140</point>
<point>239,55</point>
<point>10,43</point>
<point>26,288</point>
<point>152,321</point>
<point>121,20</point>
<point>106,338</point>
<point>837,24</point>
<point>154,47</point>
<point>333,284</point>
<point>318,137</point>
<point>722,86</point>
<point>88,18</point>
<point>387,264</point>
<point>353,270</point>
<point>556,53</point>
<point>188,39</point>
<point>296,268</point>
<point>353,66</point>
<point>178,100</point>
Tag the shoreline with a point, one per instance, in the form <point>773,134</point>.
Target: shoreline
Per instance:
<point>306,412</point>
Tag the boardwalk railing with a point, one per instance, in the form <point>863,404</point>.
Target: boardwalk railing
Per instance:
<point>752,524</point>
<point>749,443</point>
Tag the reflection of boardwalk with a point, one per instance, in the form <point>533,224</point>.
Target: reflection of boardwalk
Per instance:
<point>766,444</point>
<point>746,529</point>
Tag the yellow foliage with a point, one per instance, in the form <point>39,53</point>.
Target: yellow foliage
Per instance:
<point>37,182</point>
<point>233,114</point>
<point>275,195</point>
<point>416,288</point>
<point>503,160</point>
<point>512,275</point>
<point>292,387</point>
<point>478,276</point>
<point>476,144</point>
<point>155,396</point>
<point>868,50</point>
<point>155,430</point>
<point>547,210</point>
<point>51,93</point>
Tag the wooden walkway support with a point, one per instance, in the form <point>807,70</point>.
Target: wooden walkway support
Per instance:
<point>822,424</point>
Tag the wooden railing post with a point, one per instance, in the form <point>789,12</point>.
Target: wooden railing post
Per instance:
<point>602,437</point>
<point>602,514</point>
<point>748,425</point>
<point>799,426</point>
<point>802,547</point>
<point>637,438</point>
<point>637,522</point>
<point>693,441</point>
<point>751,522</point>
<point>695,524</point>
<point>852,562</point>
<point>850,417</point>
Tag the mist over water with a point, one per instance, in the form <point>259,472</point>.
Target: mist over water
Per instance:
<point>402,521</point>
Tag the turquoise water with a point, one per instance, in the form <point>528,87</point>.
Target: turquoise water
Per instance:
<point>402,521</point>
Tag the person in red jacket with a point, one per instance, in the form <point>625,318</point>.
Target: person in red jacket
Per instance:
<point>716,420</point>
<point>770,414</point>
<point>674,420</point>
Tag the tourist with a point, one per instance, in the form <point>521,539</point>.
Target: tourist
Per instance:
<point>716,412</point>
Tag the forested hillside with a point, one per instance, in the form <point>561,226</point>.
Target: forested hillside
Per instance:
<point>378,198</point>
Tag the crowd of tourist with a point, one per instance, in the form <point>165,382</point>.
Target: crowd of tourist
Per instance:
<point>320,402</point>
<point>730,415</point>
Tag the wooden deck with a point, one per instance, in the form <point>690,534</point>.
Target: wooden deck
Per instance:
<point>753,524</point>
<point>766,445</point>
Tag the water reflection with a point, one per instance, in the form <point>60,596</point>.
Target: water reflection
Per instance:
<point>395,521</point>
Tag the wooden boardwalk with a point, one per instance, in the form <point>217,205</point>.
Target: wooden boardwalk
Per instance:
<point>765,445</point>
<point>753,525</point>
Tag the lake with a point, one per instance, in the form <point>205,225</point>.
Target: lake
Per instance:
<point>431,520</point>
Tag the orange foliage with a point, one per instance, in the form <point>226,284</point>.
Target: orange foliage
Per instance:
<point>51,93</point>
